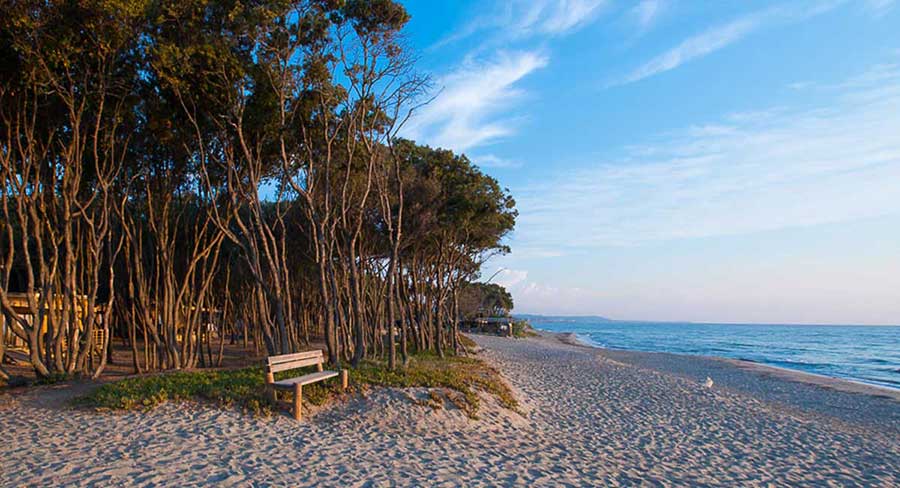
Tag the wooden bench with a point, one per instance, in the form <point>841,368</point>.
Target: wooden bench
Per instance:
<point>275,364</point>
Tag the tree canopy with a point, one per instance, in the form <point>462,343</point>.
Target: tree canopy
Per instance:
<point>485,300</point>
<point>170,164</point>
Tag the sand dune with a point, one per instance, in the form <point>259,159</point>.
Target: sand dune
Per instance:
<point>587,419</point>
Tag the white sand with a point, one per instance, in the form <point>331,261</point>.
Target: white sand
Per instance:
<point>588,420</point>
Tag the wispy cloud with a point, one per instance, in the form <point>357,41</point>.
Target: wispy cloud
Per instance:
<point>533,296</point>
<point>722,36</point>
<point>746,173</point>
<point>510,277</point>
<point>695,47</point>
<point>880,7</point>
<point>517,19</point>
<point>492,161</point>
<point>468,111</point>
<point>475,104</point>
<point>647,12</point>
<point>564,15</point>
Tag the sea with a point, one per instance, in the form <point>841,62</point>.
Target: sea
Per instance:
<point>867,354</point>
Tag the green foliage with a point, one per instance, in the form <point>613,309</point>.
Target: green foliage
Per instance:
<point>246,389</point>
<point>181,113</point>
<point>317,393</point>
<point>52,379</point>
<point>522,328</point>
<point>465,376</point>
<point>376,16</point>
<point>452,203</point>
<point>484,298</point>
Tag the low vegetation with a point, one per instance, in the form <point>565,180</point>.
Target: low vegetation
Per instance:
<point>460,378</point>
<point>463,377</point>
<point>467,343</point>
<point>243,388</point>
<point>522,328</point>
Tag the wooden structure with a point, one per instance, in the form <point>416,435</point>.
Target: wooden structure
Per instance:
<point>210,321</point>
<point>501,326</point>
<point>285,362</point>
<point>21,307</point>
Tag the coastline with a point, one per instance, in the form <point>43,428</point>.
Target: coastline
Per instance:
<point>587,416</point>
<point>860,404</point>
<point>841,384</point>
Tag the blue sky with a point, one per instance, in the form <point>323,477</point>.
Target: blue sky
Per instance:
<point>733,161</point>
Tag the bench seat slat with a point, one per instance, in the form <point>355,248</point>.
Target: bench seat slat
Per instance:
<point>305,379</point>
<point>293,365</point>
<point>286,358</point>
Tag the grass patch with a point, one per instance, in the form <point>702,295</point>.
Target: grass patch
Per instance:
<point>243,388</point>
<point>464,375</point>
<point>467,342</point>
<point>52,379</point>
<point>246,389</point>
<point>434,400</point>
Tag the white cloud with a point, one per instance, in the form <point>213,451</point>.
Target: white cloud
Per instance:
<point>564,15</point>
<point>535,297</point>
<point>466,112</point>
<point>518,19</point>
<point>647,12</point>
<point>721,36</point>
<point>880,7</point>
<point>492,161</point>
<point>800,85</point>
<point>695,47</point>
<point>508,278</point>
<point>749,172</point>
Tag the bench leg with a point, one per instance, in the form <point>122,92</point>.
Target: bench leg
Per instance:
<point>273,393</point>
<point>345,378</point>
<point>298,401</point>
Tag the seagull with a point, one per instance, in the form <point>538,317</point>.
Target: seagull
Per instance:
<point>709,382</point>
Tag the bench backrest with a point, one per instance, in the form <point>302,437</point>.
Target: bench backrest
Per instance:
<point>285,362</point>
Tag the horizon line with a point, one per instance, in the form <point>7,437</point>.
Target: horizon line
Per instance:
<point>607,319</point>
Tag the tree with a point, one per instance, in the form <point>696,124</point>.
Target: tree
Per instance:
<point>166,162</point>
<point>64,115</point>
<point>484,299</point>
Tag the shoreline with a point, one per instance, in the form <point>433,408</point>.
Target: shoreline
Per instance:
<point>846,385</point>
<point>804,394</point>
<point>587,416</point>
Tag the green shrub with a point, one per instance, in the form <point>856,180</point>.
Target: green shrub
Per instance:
<point>461,374</point>
<point>522,328</point>
<point>51,379</point>
<point>246,389</point>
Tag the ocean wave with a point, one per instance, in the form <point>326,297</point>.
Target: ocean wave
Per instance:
<point>867,354</point>
<point>789,362</point>
<point>588,341</point>
<point>881,381</point>
<point>878,361</point>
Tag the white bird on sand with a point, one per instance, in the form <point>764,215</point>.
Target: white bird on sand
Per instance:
<point>709,382</point>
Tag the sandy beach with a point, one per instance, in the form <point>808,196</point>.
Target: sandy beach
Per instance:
<point>588,417</point>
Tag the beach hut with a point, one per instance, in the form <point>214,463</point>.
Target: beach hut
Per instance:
<point>22,308</point>
<point>502,326</point>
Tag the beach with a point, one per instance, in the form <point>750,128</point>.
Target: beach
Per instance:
<point>588,416</point>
